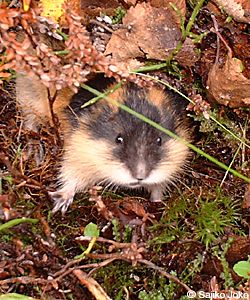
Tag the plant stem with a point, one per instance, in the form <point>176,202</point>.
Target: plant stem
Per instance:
<point>193,17</point>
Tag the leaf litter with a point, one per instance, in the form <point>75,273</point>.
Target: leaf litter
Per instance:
<point>44,256</point>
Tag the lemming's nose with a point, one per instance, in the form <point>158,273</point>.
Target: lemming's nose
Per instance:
<point>141,171</point>
<point>140,179</point>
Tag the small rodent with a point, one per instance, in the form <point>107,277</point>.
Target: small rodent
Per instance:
<point>108,146</point>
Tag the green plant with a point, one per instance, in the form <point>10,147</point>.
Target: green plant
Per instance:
<point>14,296</point>
<point>210,221</point>
<point>163,290</point>
<point>116,230</point>
<point>119,14</point>
<point>221,255</point>
<point>242,268</point>
<point>212,217</point>
<point>15,222</point>
<point>205,218</point>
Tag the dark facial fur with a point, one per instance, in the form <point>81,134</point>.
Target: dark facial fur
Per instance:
<point>134,141</point>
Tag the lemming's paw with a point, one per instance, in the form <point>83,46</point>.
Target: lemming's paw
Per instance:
<point>35,151</point>
<point>156,194</point>
<point>61,201</point>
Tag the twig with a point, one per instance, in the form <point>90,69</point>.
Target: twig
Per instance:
<point>53,116</point>
<point>31,182</point>
<point>217,39</point>
<point>164,273</point>
<point>103,240</point>
<point>62,273</point>
<point>101,25</point>
<point>25,280</point>
<point>92,285</point>
<point>216,31</point>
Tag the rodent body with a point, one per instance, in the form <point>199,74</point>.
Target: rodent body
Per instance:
<point>108,146</point>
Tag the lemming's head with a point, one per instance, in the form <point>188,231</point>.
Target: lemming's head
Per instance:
<point>125,150</point>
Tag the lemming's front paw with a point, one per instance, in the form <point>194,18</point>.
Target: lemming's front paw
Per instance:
<point>34,151</point>
<point>156,194</point>
<point>61,200</point>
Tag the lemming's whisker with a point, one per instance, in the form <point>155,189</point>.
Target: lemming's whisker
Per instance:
<point>113,187</point>
<point>179,181</point>
<point>187,170</point>
<point>102,182</point>
<point>116,188</point>
<point>107,187</point>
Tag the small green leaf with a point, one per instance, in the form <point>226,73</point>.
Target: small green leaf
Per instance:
<point>91,230</point>
<point>14,296</point>
<point>242,268</point>
<point>241,65</point>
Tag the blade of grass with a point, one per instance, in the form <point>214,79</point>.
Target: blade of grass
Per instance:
<point>193,17</point>
<point>230,165</point>
<point>168,132</point>
<point>15,222</point>
<point>109,91</point>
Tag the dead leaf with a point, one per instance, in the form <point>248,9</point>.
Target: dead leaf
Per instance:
<point>238,9</point>
<point>187,56</point>
<point>179,4</point>
<point>227,85</point>
<point>239,249</point>
<point>93,8</point>
<point>52,9</point>
<point>246,201</point>
<point>130,2</point>
<point>149,32</point>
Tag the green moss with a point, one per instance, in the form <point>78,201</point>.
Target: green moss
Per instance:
<point>203,219</point>
<point>119,14</point>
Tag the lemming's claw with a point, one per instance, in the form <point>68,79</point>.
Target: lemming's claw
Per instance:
<point>61,201</point>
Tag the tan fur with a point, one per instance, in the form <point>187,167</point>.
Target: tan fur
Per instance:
<point>157,96</point>
<point>117,96</point>
<point>61,102</point>
<point>85,160</point>
<point>32,100</point>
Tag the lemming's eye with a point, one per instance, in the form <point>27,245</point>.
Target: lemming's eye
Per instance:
<point>159,141</point>
<point>119,139</point>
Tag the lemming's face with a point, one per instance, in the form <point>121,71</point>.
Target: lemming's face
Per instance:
<point>137,154</point>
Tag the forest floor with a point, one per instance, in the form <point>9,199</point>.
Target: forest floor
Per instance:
<point>122,246</point>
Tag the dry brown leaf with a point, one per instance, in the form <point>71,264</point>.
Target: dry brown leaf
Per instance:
<point>149,32</point>
<point>246,201</point>
<point>130,2</point>
<point>93,8</point>
<point>239,249</point>
<point>238,9</point>
<point>187,55</point>
<point>179,4</point>
<point>227,85</point>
